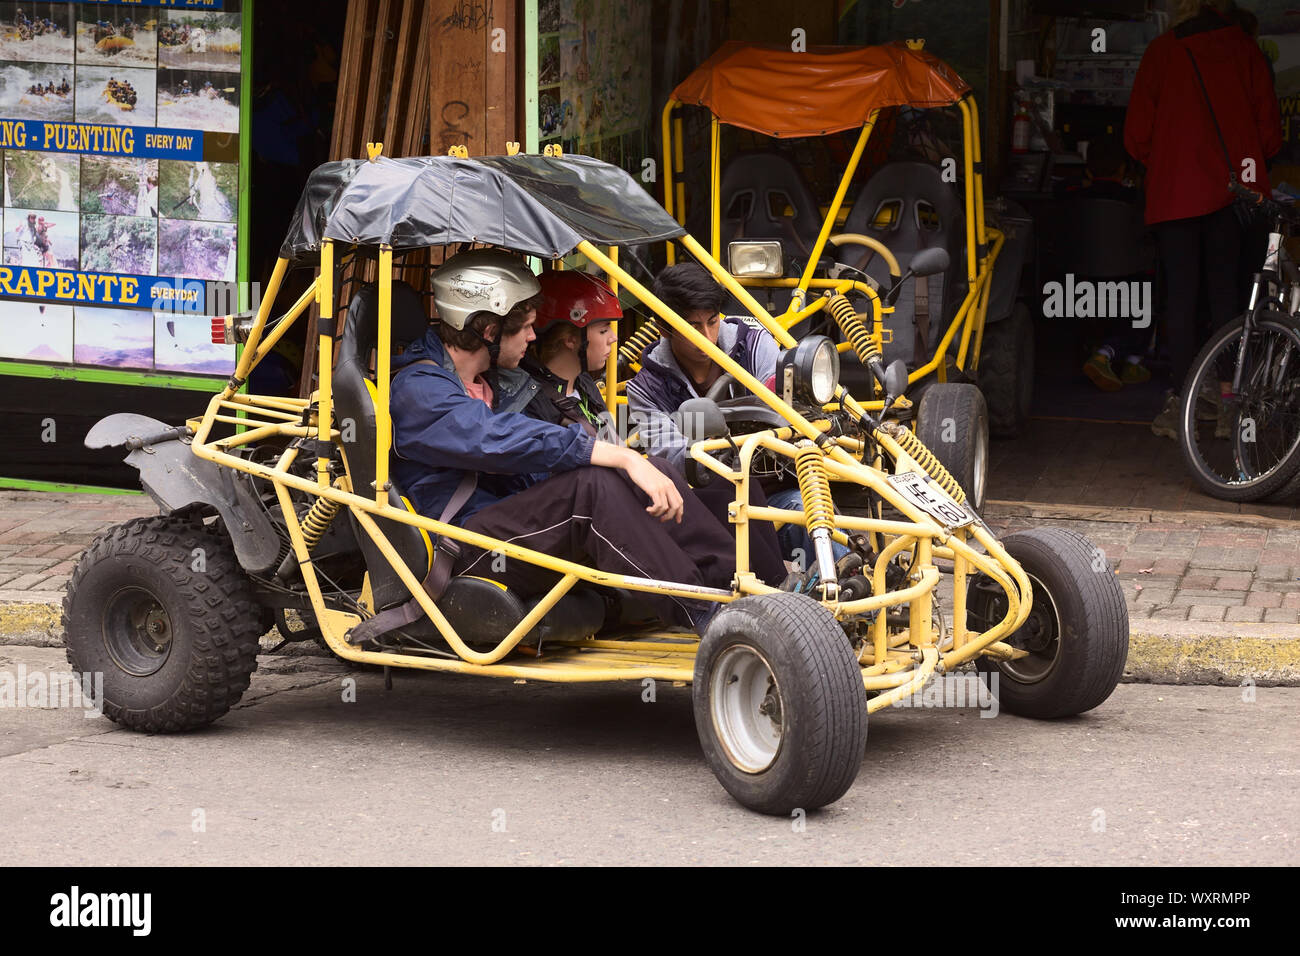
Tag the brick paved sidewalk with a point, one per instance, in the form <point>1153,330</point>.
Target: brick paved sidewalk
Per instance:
<point>1184,567</point>
<point>1191,567</point>
<point>42,535</point>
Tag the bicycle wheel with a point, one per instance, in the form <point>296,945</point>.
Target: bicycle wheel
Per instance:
<point>1261,449</point>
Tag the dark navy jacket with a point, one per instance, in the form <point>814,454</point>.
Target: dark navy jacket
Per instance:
<point>440,432</point>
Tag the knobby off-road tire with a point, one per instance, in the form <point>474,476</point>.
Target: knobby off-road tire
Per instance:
<point>1006,372</point>
<point>953,422</point>
<point>161,607</point>
<point>779,703</point>
<point>1077,630</point>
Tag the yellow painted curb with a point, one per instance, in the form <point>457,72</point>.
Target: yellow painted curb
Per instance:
<point>1192,658</point>
<point>31,623</point>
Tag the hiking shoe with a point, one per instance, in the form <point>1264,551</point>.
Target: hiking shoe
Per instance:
<point>1165,424</point>
<point>1134,373</point>
<point>1102,375</point>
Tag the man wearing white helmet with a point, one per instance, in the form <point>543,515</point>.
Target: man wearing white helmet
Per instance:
<point>464,453</point>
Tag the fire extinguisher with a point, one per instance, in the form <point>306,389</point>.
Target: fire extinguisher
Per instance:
<point>1020,127</point>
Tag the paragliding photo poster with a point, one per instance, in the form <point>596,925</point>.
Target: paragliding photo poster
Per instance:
<point>120,151</point>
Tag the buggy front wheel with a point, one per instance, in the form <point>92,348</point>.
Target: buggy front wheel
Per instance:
<point>779,703</point>
<point>1076,633</point>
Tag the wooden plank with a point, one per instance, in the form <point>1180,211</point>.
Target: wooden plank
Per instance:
<point>401,84</point>
<point>459,34</point>
<point>498,98</point>
<point>343,142</point>
<point>417,113</point>
<point>375,86</point>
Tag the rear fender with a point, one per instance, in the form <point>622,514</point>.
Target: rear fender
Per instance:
<point>176,478</point>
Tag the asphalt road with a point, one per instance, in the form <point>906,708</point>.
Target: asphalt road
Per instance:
<point>459,770</point>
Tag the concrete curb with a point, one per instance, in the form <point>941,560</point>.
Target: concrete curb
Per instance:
<point>1047,511</point>
<point>1178,653</point>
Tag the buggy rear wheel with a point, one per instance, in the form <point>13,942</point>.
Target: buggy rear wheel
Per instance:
<point>953,422</point>
<point>1006,372</point>
<point>161,608</point>
<point>1076,633</point>
<point>779,703</point>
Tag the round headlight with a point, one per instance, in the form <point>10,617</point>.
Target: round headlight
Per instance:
<point>824,373</point>
<point>810,371</point>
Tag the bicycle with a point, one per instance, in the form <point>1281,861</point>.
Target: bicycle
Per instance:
<point>1250,369</point>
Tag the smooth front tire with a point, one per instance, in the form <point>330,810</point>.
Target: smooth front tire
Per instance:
<point>1077,631</point>
<point>161,608</point>
<point>779,703</point>
<point>953,422</point>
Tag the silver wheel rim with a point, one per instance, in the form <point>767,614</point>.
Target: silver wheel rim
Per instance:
<point>1046,623</point>
<point>747,709</point>
<point>981,468</point>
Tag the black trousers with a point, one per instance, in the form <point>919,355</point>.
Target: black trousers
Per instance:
<point>596,516</point>
<point>765,557</point>
<point>1205,246</point>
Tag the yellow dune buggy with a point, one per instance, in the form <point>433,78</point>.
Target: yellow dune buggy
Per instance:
<point>272,504</point>
<point>954,319</point>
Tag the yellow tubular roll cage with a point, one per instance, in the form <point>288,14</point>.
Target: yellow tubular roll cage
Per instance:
<point>983,242</point>
<point>895,664</point>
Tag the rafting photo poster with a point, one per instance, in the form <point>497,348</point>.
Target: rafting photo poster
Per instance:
<point>121,154</point>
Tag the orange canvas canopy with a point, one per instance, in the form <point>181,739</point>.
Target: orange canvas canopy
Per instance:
<point>780,93</point>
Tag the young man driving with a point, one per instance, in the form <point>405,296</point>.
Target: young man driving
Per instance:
<point>673,371</point>
<point>463,459</point>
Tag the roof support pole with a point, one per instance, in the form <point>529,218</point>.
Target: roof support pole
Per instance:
<point>800,294</point>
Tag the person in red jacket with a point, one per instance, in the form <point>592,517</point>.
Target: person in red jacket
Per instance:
<point>1170,128</point>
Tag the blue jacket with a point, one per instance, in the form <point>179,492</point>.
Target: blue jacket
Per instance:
<point>440,432</point>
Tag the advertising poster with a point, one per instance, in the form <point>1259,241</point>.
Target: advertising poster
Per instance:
<point>119,146</point>
<point>594,79</point>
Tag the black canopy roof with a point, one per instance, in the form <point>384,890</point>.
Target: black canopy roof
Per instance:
<point>537,205</point>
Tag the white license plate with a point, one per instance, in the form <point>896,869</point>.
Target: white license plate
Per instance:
<point>931,499</point>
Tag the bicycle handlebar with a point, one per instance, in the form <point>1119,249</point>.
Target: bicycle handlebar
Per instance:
<point>1273,209</point>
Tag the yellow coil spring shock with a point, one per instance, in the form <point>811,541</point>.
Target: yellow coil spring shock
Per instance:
<point>925,458</point>
<point>317,519</point>
<point>846,317</point>
<point>819,510</point>
<point>630,351</point>
<point>815,487</point>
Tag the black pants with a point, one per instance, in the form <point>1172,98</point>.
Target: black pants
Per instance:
<point>596,516</point>
<point>1208,246</point>
<point>765,557</point>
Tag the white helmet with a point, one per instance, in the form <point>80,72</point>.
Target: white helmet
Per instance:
<point>482,280</point>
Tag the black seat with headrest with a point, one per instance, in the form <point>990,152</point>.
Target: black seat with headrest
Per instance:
<point>757,188</point>
<point>908,207</point>
<point>354,404</point>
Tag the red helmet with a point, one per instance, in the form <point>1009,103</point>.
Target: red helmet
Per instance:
<point>575,297</point>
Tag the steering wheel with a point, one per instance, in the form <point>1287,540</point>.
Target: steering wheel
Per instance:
<point>721,389</point>
<point>873,247</point>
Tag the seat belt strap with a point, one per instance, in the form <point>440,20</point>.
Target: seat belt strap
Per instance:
<point>445,553</point>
